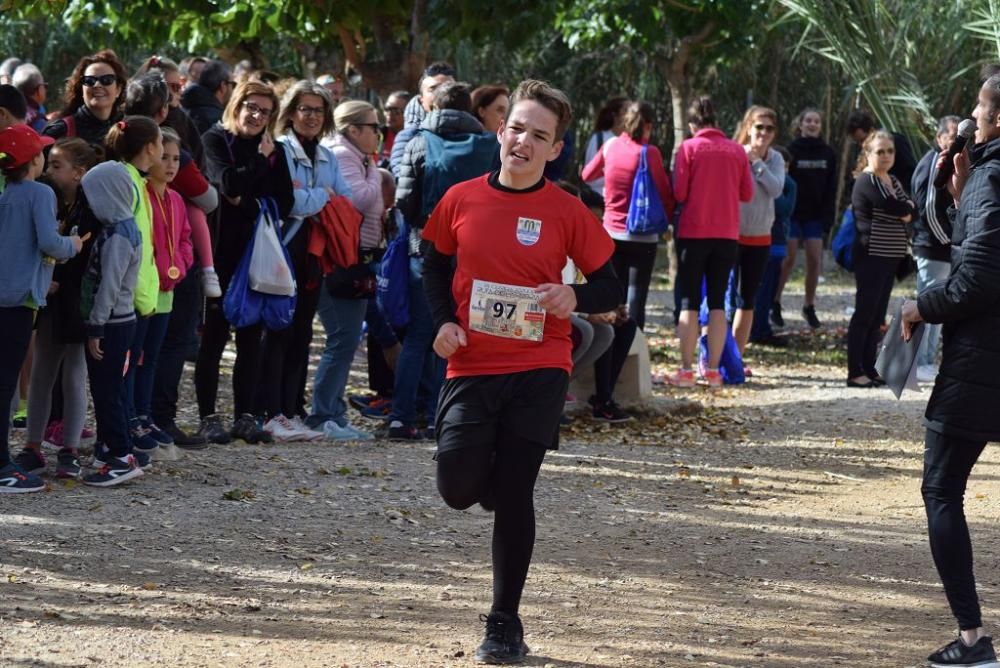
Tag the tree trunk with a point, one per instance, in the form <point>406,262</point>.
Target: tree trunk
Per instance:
<point>679,82</point>
<point>393,65</point>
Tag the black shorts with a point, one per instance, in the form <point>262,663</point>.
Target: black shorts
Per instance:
<point>708,260</point>
<point>477,411</point>
<point>750,265</point>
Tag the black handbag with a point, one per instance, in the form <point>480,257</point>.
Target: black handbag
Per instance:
<point>355,282</point>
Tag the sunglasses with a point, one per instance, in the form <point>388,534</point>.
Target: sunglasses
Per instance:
<point>760,127</point>
<point>393,110</point>
<point>105,80</point>
<point>255,110</point>
<point>374,126</point>
<point>885,151</point>
<point>175,87</point>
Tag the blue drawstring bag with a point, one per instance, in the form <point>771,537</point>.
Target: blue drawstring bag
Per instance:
<point>843,242</point>
<point>646,214</point>
<point>393,292</point>
<point>244,306</point>
<point>731,362</point>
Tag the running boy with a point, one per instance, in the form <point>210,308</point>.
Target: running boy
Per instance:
<point>502,322</point>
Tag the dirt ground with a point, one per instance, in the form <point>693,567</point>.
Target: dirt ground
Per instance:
<point>776,524</point>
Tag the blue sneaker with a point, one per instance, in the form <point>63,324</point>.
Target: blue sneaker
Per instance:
<point>102,455</point>
<point>30,461</point>
<point>142,440</point>
<point>114,472</point>
<point>15,481</point>
<point>157,434</point>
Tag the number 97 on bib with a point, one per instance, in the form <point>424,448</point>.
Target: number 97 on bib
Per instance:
<point>508,311</point>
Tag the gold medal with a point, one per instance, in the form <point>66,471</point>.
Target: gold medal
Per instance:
<point>173,273</point>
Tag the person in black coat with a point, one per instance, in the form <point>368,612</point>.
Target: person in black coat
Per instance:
<point>961,415</point>
<point>205,101</point>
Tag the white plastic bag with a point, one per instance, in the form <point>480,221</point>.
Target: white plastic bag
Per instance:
<point>269,272</point>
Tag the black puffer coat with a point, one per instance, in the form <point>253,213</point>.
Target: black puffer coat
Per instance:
<point>967,391</point>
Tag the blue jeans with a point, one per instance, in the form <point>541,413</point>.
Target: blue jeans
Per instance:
<point>342,319</point>
<point>930,272</point>
<point>418,364</point>
<point>156,330</point>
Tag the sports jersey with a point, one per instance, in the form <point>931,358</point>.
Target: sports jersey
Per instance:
<point>507,238</point>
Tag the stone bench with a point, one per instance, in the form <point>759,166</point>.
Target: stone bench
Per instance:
<point>635,382</point>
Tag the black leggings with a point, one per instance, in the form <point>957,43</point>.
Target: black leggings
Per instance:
<point>948,461</point>
<point>710,260</point>
<point>246,368</point>
<point>15,335</point>
<point>751,261</point>
<point>507,475</point>
<point>633,262</point>
<point>873,276</point>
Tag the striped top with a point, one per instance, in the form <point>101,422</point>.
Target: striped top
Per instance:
<point>877,214</point>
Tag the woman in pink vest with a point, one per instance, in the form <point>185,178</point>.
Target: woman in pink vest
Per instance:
<point>711,178</point>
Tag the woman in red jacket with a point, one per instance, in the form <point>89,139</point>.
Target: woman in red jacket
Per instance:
<point>711,178</point>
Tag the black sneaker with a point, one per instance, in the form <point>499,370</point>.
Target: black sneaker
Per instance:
<point>809,313</point>
<point>776,318</point>
<point>957,653</point>
<point>102,455</point>
<point>184,440</point>
<point>405,432</point>
<point>212,431</point>
<point>610,412</point>
<point>246,429</point>
<point>30,461</point>
<point>114,472</point>
<point>504,641</point>
<point>142,440</point>
<point>15,481</point>
<point>68,464</point>
<point>157,434</point>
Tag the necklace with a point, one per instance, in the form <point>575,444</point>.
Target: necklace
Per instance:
<point>167,214</point>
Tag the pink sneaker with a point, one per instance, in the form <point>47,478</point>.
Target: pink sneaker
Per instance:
<point>54,434</point>
<point>682,378</point>
<point>713,378</point>
<point>87,433</point>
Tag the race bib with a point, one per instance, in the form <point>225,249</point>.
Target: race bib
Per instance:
<point>503,310</point>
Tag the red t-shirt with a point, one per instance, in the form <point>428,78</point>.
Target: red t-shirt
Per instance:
<point>520,239</point>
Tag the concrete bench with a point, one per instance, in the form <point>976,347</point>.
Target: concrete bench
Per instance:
<point>635,382</point>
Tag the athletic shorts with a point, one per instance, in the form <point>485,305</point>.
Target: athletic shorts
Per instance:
<point>751,262</point>
<point>477,411</point>
<point>809,229</point>
<point>707,261</point>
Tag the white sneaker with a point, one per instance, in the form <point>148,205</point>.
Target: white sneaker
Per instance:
<point>281,429</point>
<point>210,282</point>
<point>167,453</point>
<point>308,434</point>
<point>926,373</point>
<point>334,432</point>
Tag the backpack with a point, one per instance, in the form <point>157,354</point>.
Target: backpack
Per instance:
<point>393,294</point>
<point>843,241</point>
<point>646,214</point>
<point>451,160</point>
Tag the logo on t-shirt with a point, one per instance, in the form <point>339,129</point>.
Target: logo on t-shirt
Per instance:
<point>528,231</point>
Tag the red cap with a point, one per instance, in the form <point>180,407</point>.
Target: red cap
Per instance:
<point>19,145</point>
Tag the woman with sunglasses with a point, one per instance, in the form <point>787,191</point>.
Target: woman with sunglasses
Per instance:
<point>756,134</point>
<point>247,165</point>
<point>95,93</point>
<point>882,211</point>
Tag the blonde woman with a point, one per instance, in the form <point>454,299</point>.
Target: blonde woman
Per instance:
<point>246,163</point>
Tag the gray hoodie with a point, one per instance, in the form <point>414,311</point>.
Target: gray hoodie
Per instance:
<point>757,215</point>
<point>113,267</point>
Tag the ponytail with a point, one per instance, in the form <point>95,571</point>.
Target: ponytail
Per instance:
<point>128,137</point>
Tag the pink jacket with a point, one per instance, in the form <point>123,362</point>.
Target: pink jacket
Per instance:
<point>175,209</point>
<point>711,178</point>
<point>618,168</point>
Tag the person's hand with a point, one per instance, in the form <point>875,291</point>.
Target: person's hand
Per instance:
<point>94,348</point>
<point>907,218</point>
<point>77,244</point>
<point>449,339</point>
<point>956,184</point>
<point>910,316</point>
<point>603,318</point>
<point>266,147</point>
<point>391,355</point>
<point>557,299</point>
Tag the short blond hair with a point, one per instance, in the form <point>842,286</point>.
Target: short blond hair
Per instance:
<point>351,112</point>
<point>230,117</point>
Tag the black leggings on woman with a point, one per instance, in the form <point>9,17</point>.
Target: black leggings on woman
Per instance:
<point>751,261</point>
<point>633,262</point>
<point>873,276</point>
<point>948,461</point>
<point>246,368</point>
<point>465,475</point>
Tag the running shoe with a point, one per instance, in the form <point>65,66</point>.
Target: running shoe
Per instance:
<point>308,433</point>
<point>15,481</point>
<point>210,283</point>
<point>31,461</point>
<point>184,440</point>
<point>114,472</point>
<point>67,464</point>
<point>504,641</point>
<point>610,412</point>
<point>282,430</point>
<point>212,431</point>
<point>361,401</point>
<point>102,455</point>
<point>378,408</point>
<point>809,313</point>
<point>141,438</point>
<point>713,378</point>
<point>246,429</point>
<point>157,434</point>
<point>957,653</point>
<point>405,432</point>
<point>682,378</point>
<point>776,319</point>
<point>53,434</point>
<point>20,419</point>
<point>335,432</point>
<point>86,432</point>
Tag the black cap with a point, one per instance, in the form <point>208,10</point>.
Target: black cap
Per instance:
<point>12,100</point>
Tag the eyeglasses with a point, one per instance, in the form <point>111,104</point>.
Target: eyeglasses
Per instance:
<point>885,151</point>
<point>760,127</point>
<point>105,80</point>
<point>310,111</point>
<point>255,110</point>
<point>175,87</point>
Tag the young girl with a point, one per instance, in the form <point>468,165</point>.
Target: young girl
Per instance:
<point>173,250</point>
<point>110,294</point>
<point>28,233</point>
<point>60,337</point>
